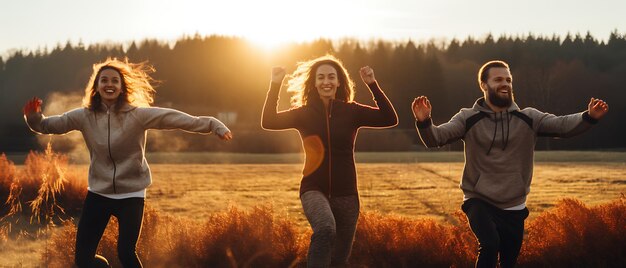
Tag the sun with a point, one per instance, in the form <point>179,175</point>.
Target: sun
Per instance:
<point>270,24</point>
<point>270,33</point>
<point>270,38</point>
<point>268,42</point>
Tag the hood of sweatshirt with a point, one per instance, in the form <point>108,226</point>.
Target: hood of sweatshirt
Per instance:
<point>124,107</point>
<point>481,106</point>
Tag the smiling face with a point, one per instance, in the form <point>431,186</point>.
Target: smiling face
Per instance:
<point>499,87</point>
<point>109,86</point>
<point>326,81</point>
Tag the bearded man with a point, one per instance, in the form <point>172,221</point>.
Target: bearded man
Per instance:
<point>499,141</point>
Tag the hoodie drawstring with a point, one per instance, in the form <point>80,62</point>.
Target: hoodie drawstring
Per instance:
<point>502,127</point>
<point>508,124</point>
<point>495,129</point>
<point>505,140</point>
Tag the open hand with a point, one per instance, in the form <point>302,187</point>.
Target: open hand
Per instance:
<point>597,108</point>
<point>32,106</point>
<point>421,108</point>
<point>227,136</point>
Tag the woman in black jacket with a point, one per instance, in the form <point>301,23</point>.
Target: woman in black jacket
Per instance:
<point>328,120</point>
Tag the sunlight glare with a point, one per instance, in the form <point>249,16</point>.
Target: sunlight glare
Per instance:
<point>280,21</point>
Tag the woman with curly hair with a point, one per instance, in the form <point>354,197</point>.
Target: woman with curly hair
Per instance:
<point>114,118</point>
<point>328,119</point>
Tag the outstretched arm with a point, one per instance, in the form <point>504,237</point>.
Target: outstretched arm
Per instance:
<point>272,119</point>
<point>431,135</point>
<point>384,115</point>
<point>165,118</point>
<point>571,125</point>
<point>37,122</point>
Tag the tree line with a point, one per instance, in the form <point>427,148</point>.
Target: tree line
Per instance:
<point>228,77</point>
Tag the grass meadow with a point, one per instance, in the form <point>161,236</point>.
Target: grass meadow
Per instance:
<point>229,210</point>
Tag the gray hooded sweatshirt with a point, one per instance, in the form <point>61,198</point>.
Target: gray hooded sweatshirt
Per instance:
<point>117,140</point>
<point>499,147</point>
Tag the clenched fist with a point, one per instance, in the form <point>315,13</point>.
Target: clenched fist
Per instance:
<point>278,74</point>
<point>367,74</point>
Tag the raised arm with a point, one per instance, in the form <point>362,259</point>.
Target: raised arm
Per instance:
<point>436,136</point>
<point>383,115</point>
<point>272,119</point>
<point>571,125</point>
<point>58,124</point>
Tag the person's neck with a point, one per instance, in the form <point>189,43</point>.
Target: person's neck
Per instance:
<point>108,104</point>
<point>495,108</point>
<point>326,101</point>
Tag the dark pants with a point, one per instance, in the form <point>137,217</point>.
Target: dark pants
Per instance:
<point>497,230</point>
<point>97,211</point>
<point>334,225</point>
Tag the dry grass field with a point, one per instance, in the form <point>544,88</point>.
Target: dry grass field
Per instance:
<point>409,188</point>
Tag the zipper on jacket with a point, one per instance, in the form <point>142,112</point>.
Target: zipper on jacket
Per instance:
<point>109,143</point>
<point>328,116</point>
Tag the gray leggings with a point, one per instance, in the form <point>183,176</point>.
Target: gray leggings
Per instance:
<point>333,224</point>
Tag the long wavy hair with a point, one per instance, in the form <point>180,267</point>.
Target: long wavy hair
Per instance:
<point>137,89</point>
<point>302,81</point>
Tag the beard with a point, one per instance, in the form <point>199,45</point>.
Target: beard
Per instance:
<point>495,99</point>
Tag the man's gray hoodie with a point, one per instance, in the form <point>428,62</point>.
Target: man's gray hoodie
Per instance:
<point>499,147</point>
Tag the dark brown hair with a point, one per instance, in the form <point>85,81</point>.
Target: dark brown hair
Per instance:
<point>302,81</point>
<point>483,73</point>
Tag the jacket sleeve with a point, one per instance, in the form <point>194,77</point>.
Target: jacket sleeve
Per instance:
<point>165,118</point>
<point>437,136</point>
<point>384,115</point>
<point>57,124</point>
<point>549,125</point>
<point>271,118</point>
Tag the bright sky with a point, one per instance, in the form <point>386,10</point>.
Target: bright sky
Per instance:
<point>32,24</point>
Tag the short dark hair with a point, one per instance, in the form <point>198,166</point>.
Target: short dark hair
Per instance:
<point>483,73</point>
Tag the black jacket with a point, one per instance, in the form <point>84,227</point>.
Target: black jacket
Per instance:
<point>328,136</point>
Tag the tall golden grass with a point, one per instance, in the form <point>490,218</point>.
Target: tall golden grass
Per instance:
<point>235,238</point>
<point>393,241</point>
<point>7,186</point>
<point>575,235</point>
<point>569,235</point>
<point>7,173</point>
<point>45,191</point>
